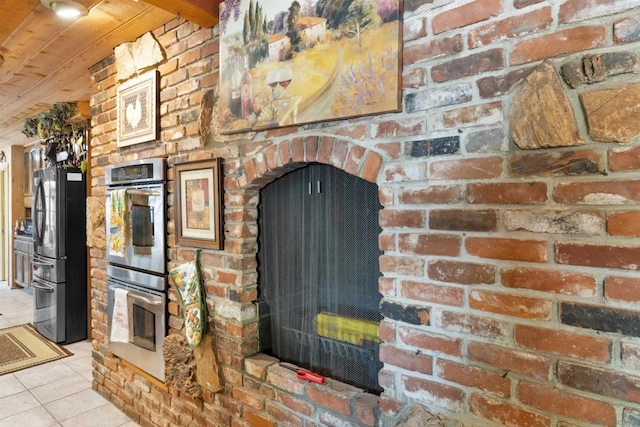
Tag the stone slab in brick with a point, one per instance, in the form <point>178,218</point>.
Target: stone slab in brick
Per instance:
<point>440,97</point>
<point>612,114</point>
<point>554,222</point>
<point>557,163</point>
<point>434,147</point>
<point>601,318</point>
<point>541,113</point>
<point>617,385</point>
<point>485,140</point>
<point>136,57</point>
<point>573,73</point>
<point>627,30</point>
<point>599,67</point>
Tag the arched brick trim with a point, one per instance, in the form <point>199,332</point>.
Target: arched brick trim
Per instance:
<point>287,155</point>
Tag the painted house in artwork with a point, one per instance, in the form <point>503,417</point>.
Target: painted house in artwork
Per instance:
<point>313,28</point>
<point>277,42</point>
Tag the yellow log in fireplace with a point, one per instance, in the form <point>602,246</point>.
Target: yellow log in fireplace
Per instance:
<point>348,329</point>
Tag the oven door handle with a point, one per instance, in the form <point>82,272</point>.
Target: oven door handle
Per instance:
<point>146,300</point>
<point>41,264</point>
<point>47,288</point>
<point>143,193</point>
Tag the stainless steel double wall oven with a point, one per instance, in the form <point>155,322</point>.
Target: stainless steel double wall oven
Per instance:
<point>136,251</point>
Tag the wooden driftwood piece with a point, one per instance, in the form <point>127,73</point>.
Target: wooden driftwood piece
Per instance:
<point>208,372</point>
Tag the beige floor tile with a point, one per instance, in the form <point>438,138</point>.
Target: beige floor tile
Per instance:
<point>9,385</point>
<point>36,417</point>
<point>44,374</point>
<point>102,416</point>
<point>17,403</point>
<point>75,404</point>
<point>60,389</point>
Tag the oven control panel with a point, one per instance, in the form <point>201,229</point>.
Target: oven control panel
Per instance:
<point>146,170</point>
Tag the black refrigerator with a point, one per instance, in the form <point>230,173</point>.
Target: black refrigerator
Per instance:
<point>60,254</point>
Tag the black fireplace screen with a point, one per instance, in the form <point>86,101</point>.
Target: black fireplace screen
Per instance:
<point>318,273</point>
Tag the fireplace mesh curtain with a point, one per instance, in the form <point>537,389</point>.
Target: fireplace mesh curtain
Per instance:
<point>318,273</point>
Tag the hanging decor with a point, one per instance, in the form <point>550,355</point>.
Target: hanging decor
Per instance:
<point>138,109</point>
<point>63,141</point>
<point>283,63</point>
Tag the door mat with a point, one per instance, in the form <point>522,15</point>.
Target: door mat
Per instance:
<point>23,347</point>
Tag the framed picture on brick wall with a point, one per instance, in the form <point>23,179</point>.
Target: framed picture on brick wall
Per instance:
<point>137,105</point>
<point>286,63</point>
<point>198,204</point>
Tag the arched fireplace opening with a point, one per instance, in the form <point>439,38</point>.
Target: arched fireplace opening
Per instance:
<point>318,273</point>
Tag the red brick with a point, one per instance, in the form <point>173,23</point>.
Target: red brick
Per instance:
<point>328,398</point>
<point>615,384</point>
<point>529,364</point>
<point>429,244</point>
<point>257,365</point>
<point>504,413</point>
<point>432,48</point>
<point>256,420</point>
<point>555,281</point>
<point>441,395</point>
<point>625,289</point>
<point>297,405</point>
<point>429,341</point>
<point>593,255</point>
<point>519,4</point>
<point>386,242</point>
<point>474,168</point>
<point>371,166</point>
<point>483,114</point>
<point>567,404</point>
<point>395,128</point>
<point>507,249</point>
<point>510,28</point>
<point>413,29</point>
<point>560,43</point>
<point>249,399</point>
<point>391,148</point>
<point>402,265</point>
<point>584,347</point>
<point>630,355</point>
<point>406,359</point>
<point>413,78</point>
<point>619,192</point>
<point>471,376</point>
<point>626,30</point>
<point>387,331</point>
<point>464,273</point>
<point>578,10</point>
<point>557,163</point>
<point>443,194</point>
<point>624,159</point>
<point>446,295</point>
<point>471,65</point>
<point>282,416</point>
<point>511,305</point>
<point>387,286</point>
<point>507,193</point>
<point>624,224</point>
<point>414,171</point>
<point>463,220</point>
<point>469,324</point>
<point>470,13</point>
<point>402,218</point>
<point>366,408</point>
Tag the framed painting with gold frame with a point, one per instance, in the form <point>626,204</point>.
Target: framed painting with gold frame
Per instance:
<point>137,105</point>
<point>198,204</point>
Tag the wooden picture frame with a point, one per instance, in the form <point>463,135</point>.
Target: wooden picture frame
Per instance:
<point>325,64</point>
<point>198,204</point>
<point>137,106</point>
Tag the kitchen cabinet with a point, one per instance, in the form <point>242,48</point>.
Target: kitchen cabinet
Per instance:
<point>22,251</point>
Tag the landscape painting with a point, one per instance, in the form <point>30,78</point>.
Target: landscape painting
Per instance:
<point>285,63</point>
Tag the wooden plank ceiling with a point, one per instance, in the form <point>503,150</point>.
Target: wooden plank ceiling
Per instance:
<point>45,59</point>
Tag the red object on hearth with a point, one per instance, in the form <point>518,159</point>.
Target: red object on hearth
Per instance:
<point>306,375</point>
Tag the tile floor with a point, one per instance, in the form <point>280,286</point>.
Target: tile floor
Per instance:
<point>53,394</point>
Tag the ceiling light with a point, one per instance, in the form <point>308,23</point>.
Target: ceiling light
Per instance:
<point>66,8</point>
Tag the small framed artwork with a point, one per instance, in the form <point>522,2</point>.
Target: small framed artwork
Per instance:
<point>199,205</point>
<point>137,104</point>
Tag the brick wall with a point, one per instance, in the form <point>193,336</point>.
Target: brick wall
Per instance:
<point>510,278</point>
